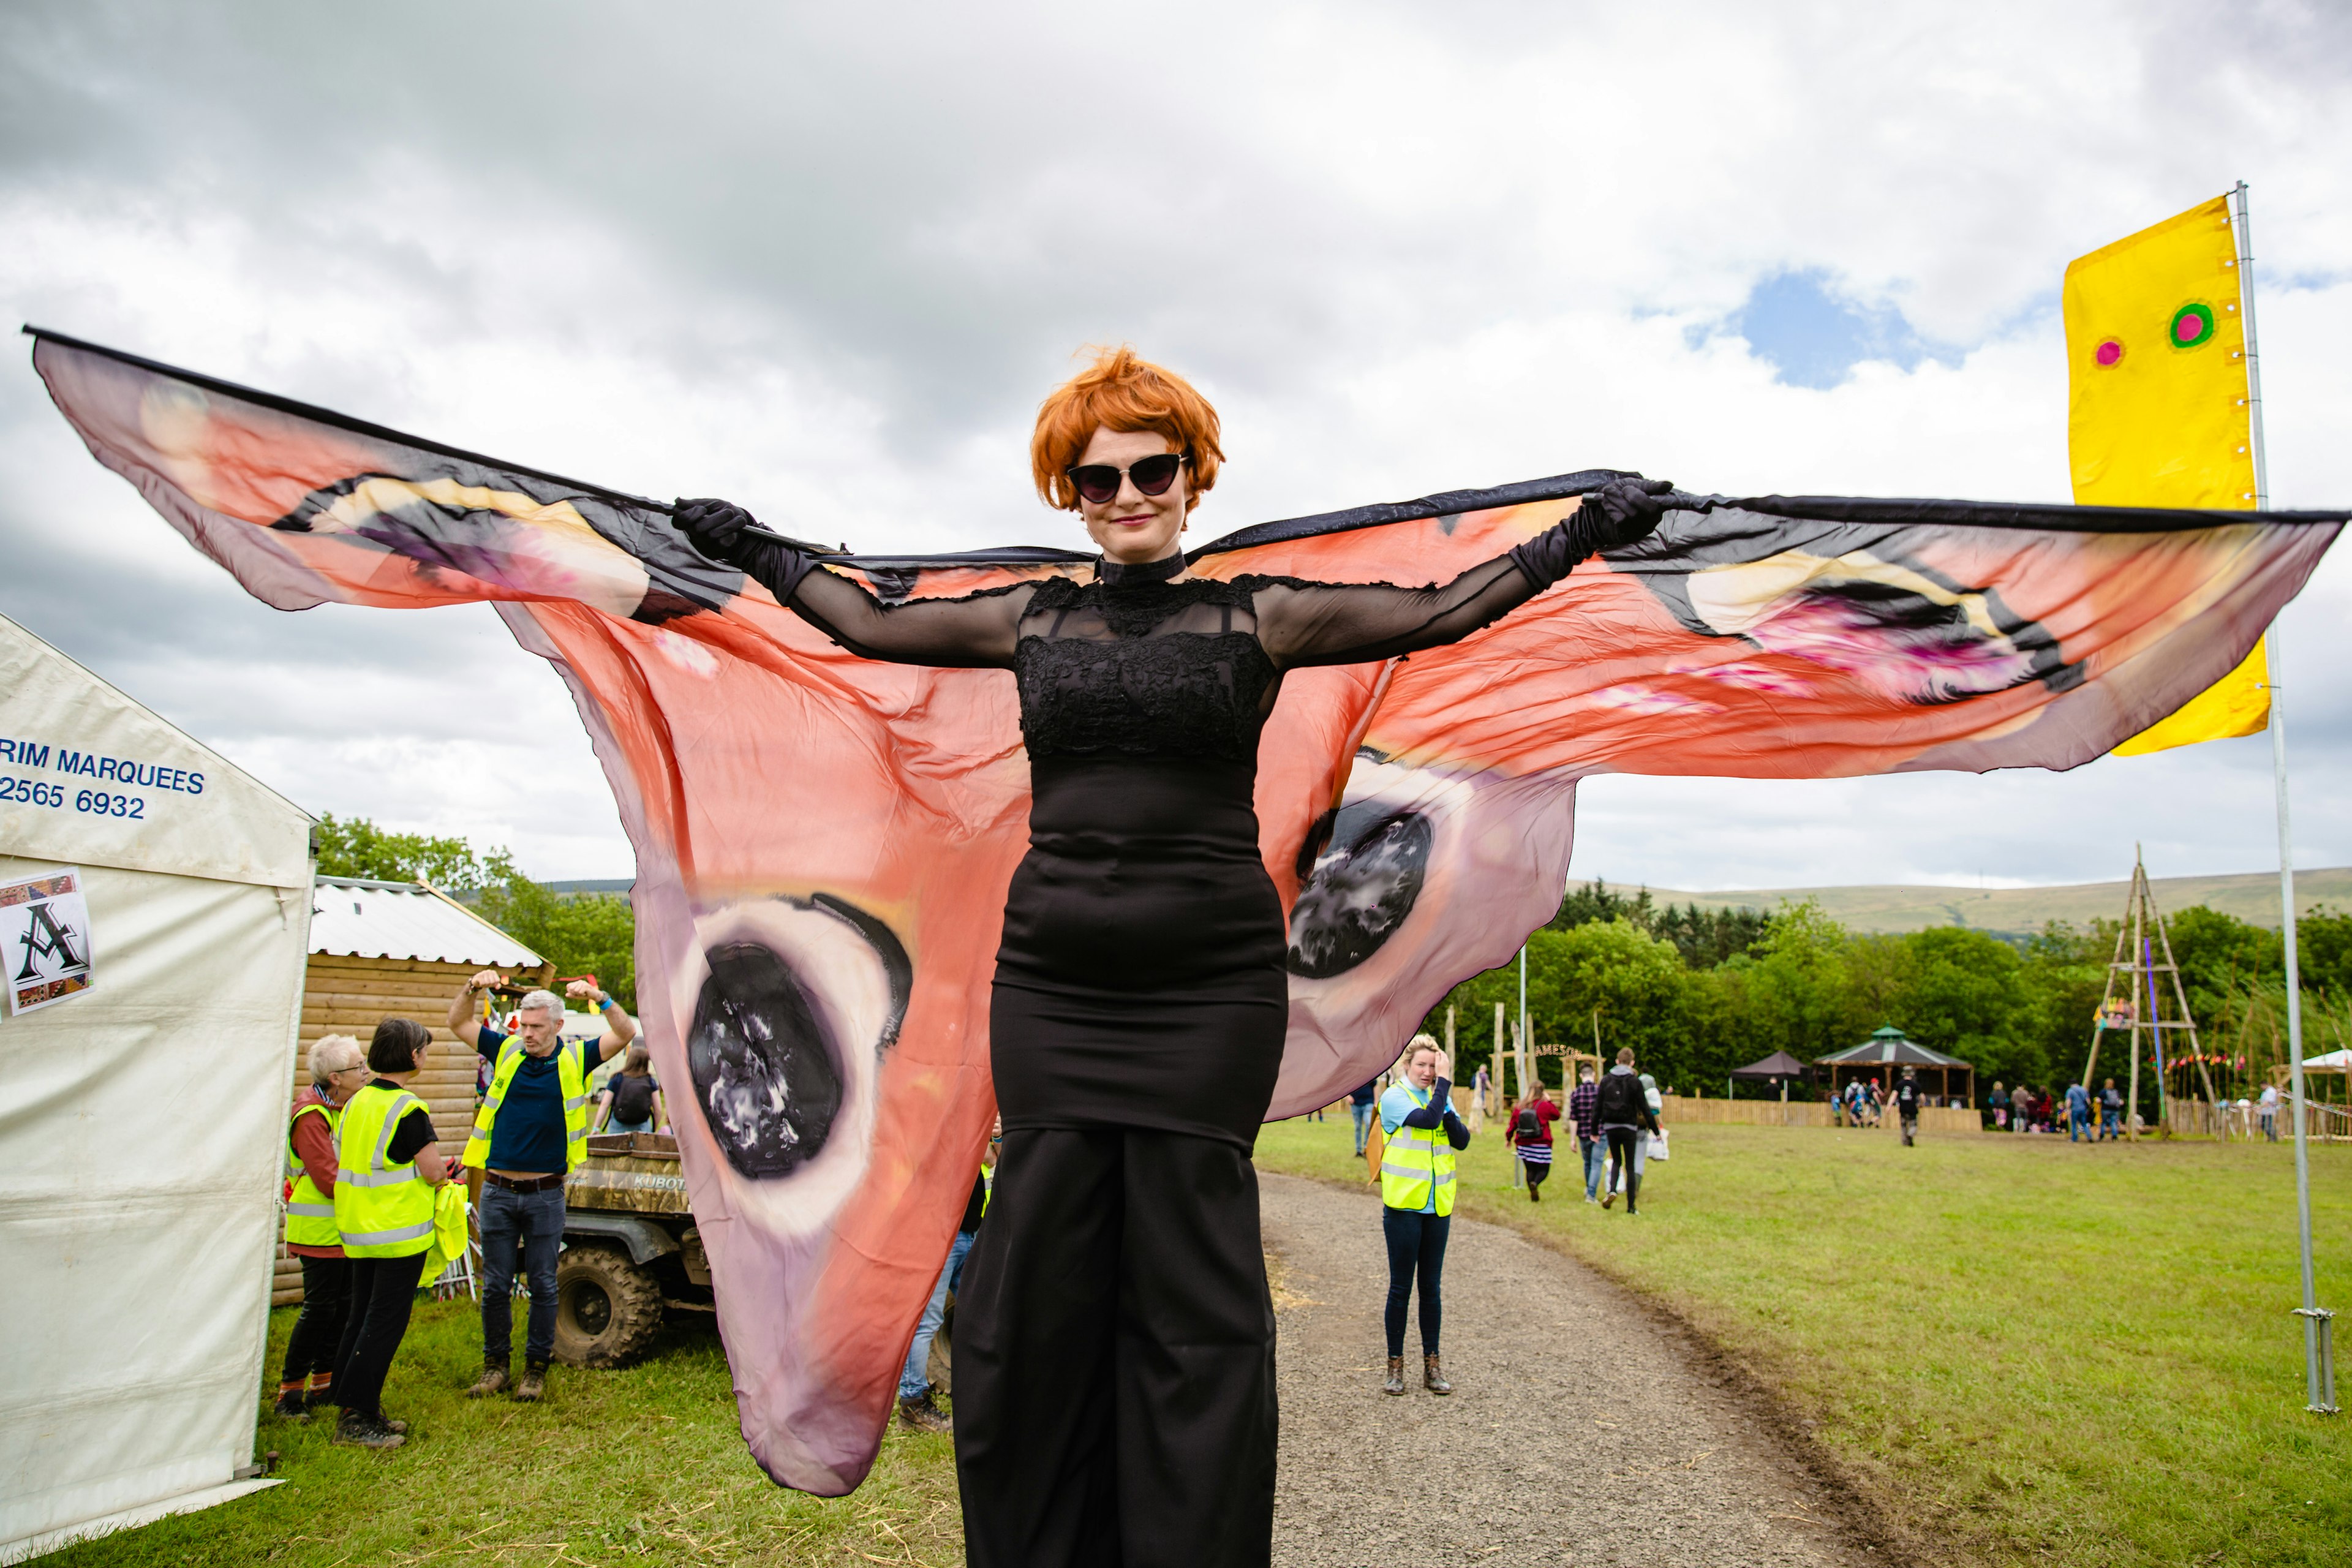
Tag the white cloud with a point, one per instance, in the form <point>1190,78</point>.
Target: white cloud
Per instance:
<point>826,266</point>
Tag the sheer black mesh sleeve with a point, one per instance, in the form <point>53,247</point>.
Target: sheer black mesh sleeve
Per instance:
<point>976,632</point>
<point>1301,623</point>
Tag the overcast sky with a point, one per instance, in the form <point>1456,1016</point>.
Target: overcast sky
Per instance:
<point>826,259</point>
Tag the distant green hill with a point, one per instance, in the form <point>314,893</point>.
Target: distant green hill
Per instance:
<point>2251,896</point>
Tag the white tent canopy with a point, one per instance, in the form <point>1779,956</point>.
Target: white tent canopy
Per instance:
<point>141,1119</point>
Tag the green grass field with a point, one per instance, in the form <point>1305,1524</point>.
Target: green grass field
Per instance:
<point>2030,1351</point>
<point>643,1465</point>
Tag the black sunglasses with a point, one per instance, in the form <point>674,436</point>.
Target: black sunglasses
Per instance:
<point>1099,482</point>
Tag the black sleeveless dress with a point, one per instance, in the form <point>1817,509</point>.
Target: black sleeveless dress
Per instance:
<point>1113,1345</point>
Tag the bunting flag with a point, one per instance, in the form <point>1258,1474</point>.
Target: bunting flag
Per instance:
<point>823,843</point>
<point>2161,414</point>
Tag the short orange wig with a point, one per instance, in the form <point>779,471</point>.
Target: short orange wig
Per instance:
<point>1121,391</point>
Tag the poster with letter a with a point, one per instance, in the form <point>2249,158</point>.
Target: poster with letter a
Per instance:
<point>44,938</point>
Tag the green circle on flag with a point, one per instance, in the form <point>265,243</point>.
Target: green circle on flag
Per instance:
<point>2192,326</point>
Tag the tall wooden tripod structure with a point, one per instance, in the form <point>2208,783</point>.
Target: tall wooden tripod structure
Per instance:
<point>2142,1007</point>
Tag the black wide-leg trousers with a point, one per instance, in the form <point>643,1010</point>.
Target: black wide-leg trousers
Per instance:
<point>1114,1358</point>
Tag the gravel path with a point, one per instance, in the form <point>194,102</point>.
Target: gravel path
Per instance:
<point>1581,1429</point>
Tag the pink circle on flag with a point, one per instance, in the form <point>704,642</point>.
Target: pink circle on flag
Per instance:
<point>2110,351</point>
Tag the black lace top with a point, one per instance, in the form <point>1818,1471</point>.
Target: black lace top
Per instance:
<point>1153,667</point>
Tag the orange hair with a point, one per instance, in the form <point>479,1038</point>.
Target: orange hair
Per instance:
<point>1121,391</point>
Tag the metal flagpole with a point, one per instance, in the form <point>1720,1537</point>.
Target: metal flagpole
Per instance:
<point>2318,1348</point>
<point>1524,1058</point>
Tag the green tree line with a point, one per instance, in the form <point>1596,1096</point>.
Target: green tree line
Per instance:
<point>580,933</point>
<point>1697,993</point>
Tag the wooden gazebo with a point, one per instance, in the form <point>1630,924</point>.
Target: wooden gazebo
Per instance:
<point>1887,1052</point>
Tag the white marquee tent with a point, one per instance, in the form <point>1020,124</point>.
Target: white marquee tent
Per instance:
<point>141,1117</point>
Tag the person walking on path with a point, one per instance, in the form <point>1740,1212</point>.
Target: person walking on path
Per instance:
<point>1531,1136</point>
<point>1625,1116</point>
<point>1584,1116</point>
<point>337,1071</point>
<point>1363,1102</point>
<point>2078,1114</point>
<point>531,1129</point>
<point>916,1406</point>
<point>631,1099</point>
<point>387,1164</point>
<point>1417,1203</point>
<point>1906,1105</point>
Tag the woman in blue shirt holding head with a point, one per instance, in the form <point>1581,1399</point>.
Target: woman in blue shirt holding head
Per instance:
<point>1417,1201</point>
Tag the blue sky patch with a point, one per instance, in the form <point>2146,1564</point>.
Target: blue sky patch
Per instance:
<point>1813,336</point>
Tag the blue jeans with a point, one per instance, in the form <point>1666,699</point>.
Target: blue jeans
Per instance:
<point>1364,1115</point>
<point>618,1125</point>
<point>1596,1164</point>
<point>914,1381</point>
<point>533,1222</point>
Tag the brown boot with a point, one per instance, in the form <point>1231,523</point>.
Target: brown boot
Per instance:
<point>1432,1378</point>
<point>1395,1385</point>
<point>918,1412</point>
<point>533,1384</point>
<point>494,1380</point>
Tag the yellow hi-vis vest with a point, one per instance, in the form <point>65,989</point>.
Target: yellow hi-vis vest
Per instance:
<point>384,1210</point>
<point>310,1213</point>
<point>570,1072</point>
<point>1414,1158</point>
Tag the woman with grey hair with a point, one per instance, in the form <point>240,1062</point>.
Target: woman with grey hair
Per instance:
<point>338,1070</point>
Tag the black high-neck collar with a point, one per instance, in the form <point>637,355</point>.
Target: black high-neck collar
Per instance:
<point>1121,574</point>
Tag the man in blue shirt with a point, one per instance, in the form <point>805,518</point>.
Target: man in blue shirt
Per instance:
<point>2078,1114</point>
<point>531,1121</point>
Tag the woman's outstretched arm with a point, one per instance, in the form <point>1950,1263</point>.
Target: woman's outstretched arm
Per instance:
<point>978,632</point>
<point>1343,623</point>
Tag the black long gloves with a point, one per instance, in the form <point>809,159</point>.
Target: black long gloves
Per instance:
<point>721,530</point>
<point>1612,517</point>
<point>1617,514</point>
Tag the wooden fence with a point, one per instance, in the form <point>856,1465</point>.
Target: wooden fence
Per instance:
<point>1681,1111</point>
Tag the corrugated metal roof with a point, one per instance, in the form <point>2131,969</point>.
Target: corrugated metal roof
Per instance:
<point>406,919</point>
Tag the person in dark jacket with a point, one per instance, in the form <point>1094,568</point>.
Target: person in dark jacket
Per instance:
<point>1625,1115</point>
<point>1907,1104</point>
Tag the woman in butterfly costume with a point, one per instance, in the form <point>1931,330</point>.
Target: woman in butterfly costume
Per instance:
<point>1115,1392</point>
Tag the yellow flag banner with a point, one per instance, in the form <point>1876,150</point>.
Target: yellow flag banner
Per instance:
<point>2156,353</point>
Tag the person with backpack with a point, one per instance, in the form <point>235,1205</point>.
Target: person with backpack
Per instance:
<point>1625,1115</point>
<point>1417,1183</point>
<point>1906,1105</point>
<point>1531,1137</point>
<point>631,1099</point>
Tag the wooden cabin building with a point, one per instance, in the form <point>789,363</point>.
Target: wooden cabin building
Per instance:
<point>381,949</point>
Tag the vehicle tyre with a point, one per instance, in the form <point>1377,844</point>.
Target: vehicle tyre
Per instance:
<point>607,1308</point>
